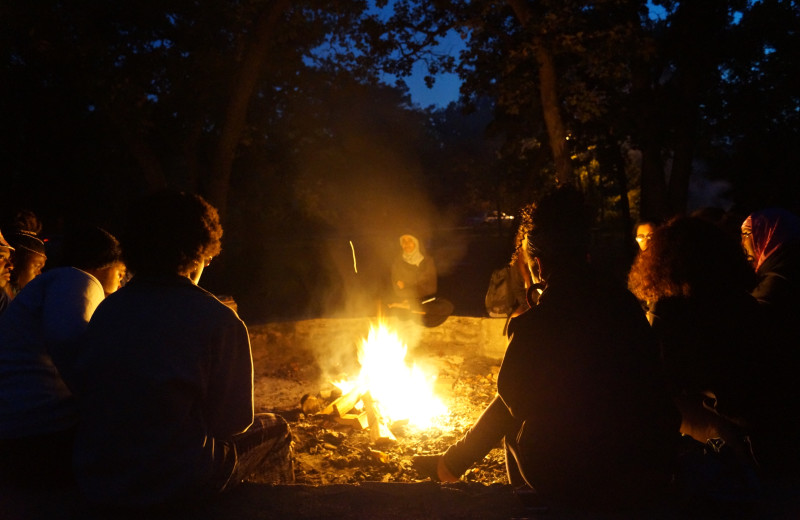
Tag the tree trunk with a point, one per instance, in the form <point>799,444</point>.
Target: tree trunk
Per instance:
<point>548,91</point>
<point>244,84</point>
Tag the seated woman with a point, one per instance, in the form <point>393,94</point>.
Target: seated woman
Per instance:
<point>716,345</point>
<point>771,239</point>
<point>415,283</point>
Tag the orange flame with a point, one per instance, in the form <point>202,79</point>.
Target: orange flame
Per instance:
<point>402,392</point>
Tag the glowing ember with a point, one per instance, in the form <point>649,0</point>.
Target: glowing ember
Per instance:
<point>401,392</point>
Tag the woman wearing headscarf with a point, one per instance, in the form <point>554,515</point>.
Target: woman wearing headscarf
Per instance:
<point>771,239</point>
<point>414,281</point>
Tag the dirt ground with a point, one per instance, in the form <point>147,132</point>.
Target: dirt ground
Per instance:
<point>341,474</point>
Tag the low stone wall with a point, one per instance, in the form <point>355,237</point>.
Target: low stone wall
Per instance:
<point>479,336</point>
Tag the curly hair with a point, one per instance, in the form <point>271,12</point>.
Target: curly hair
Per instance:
<point>87,247</point>
<point>560,225</point>
<point>689,256</point>
<point>170,232</point>
<point>524,227</point>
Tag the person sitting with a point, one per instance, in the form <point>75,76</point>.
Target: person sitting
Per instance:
<point>165,374</point>
<point>38,335</point>
<point>719,352</point>
<point>584,414</point>
<point>771,240</point>
<point>415,284</point>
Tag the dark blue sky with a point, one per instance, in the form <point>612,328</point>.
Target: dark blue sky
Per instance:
<point>445,90</point>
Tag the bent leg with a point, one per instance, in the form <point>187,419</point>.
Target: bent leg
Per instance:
<point>266,449</point>
<point>492,426</point>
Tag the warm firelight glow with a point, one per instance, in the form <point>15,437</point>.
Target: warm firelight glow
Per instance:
<point>401,392</point>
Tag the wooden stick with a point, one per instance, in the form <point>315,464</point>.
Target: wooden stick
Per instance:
<point>345,403</point>
<point>355,421</point>
<point>378,431</point>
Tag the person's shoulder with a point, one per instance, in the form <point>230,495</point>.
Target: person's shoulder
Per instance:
<point>70,277</point>
<point>212,305</point>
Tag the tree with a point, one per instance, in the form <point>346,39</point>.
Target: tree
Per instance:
<point>166,86</point>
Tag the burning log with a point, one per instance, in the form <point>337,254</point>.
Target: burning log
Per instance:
<point>378,430</point>
<point>342,405</point>
<point>355,421</point>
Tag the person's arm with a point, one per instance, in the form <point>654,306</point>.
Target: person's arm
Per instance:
<point>69,302</point>
<point>514,371</point>
<point>230,393</point>
<point>427,283</point>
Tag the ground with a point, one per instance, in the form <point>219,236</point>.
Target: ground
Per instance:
<point>341,474</point>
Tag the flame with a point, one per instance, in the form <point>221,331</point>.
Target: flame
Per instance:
<point>401,392</point>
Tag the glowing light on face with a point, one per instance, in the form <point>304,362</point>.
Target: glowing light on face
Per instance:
<point>401,392</point>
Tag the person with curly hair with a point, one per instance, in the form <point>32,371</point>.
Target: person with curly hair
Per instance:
<point>718,350</point>
<point>166,374</point>
<point>581,407</point>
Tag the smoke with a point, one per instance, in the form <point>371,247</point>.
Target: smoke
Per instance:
<point>707,193</point>
<point>365,190</point>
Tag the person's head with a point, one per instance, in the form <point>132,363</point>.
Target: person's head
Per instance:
<point>765,232</point>
<point>6,265</point>
<point>689,256</point>
<point>644,232</point>
<point>29,257</point>
<point>409,243</point>
<point>171,232</point>
<point>559,234</point>
<point>96,251</point>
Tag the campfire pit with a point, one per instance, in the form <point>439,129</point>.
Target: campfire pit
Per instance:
<point>337,444</point>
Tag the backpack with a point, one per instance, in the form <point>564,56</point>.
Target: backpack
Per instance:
<point>500,300</point>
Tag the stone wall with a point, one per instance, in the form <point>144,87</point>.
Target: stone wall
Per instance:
<point>479,336</point>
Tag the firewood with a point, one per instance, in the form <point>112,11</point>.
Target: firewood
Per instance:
<point>355,421</point>
<point>345,403</point>
<point>378,431</point>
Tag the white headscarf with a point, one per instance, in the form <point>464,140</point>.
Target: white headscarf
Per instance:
<point>414,257</point>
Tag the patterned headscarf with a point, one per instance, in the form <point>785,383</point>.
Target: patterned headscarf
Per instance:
<point>771,229</point>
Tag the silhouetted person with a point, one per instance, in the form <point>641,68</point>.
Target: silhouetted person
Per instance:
<point>415,284</point>
<point>166,374</point>
<point>581,405</point>
<point>39,333</point>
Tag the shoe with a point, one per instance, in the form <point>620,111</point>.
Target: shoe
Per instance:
<point>427,466</point>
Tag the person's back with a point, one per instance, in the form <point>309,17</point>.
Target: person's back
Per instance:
<point>37,334</point>
<point>153,354</point>
<point>583,373</point>
<point>165,373</point>
<point>582,376</point>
